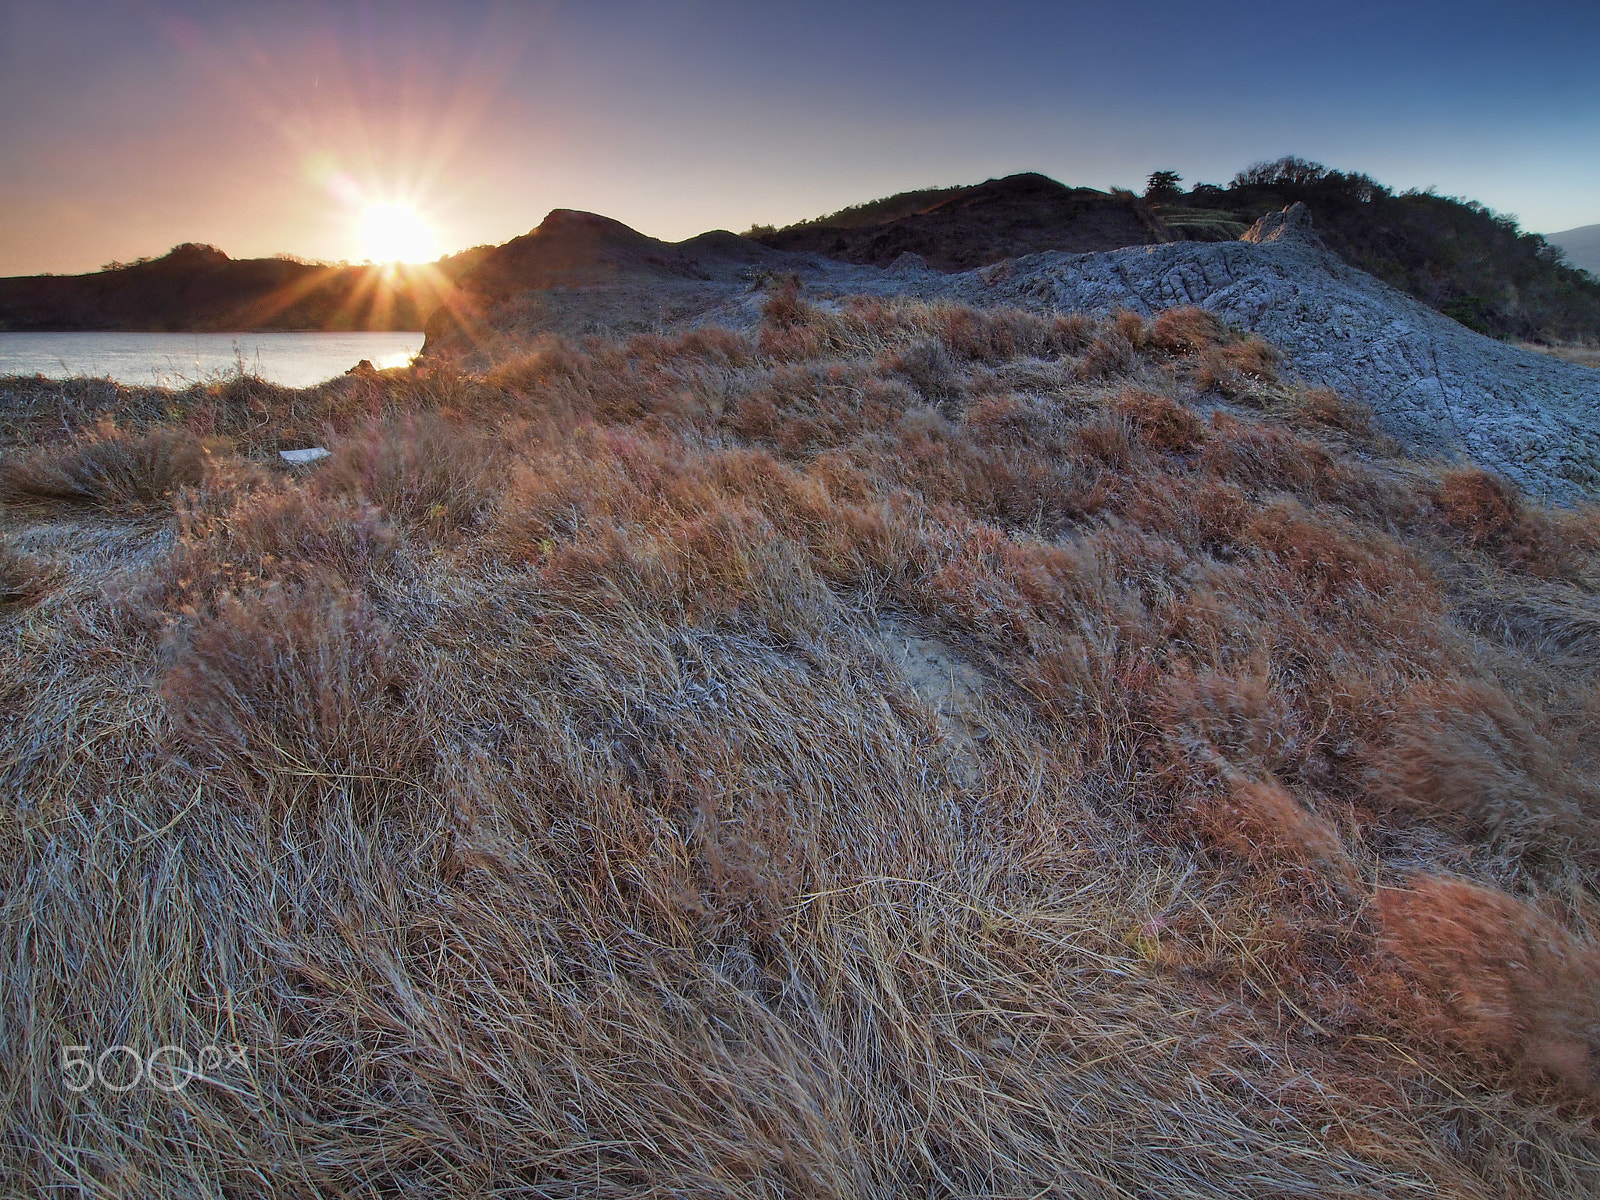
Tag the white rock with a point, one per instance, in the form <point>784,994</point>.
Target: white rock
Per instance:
<point>309,455</point>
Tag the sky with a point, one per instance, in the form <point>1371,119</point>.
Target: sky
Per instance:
<point>127,128</point>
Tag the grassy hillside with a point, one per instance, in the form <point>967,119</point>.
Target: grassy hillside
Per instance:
<point>900,750</point>
<point>956,229</point>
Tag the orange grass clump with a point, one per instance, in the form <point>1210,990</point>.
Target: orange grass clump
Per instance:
<point>1516,984</point>
<point>109,468</point>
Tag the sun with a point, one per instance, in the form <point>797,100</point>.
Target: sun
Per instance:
<point>396,232</point>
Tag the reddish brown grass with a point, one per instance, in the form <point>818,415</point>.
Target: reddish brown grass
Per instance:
<point>24,578</point>
<point>239,538</point>
<point>1514,983</point>
<point>1187,330</point>
<point>1463,755</point>
<point>431,473</point>
<point>1488,514</point>
<point>1161,423</point>
<point>1267,458</point>
<point>1261,822</point>
<point>1238,370</point>
<point>1324,406</point>
<point>292,693</point>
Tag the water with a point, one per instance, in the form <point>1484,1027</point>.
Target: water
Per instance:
<point>178,359</point>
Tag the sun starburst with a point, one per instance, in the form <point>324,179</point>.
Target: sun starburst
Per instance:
<point>394,231</point>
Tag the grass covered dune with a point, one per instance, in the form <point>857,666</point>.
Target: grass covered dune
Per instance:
<point>897,750</point>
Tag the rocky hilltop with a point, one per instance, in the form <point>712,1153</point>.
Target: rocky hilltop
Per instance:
<point>1453,255</point>
<point>1430,381</point>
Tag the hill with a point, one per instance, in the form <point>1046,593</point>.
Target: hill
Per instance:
<point>578,273</point>
<point>1455,256</point>
<point>733,722</point>
<point>199,288</point>
<point>956,229</point>
<point>1581,246</point>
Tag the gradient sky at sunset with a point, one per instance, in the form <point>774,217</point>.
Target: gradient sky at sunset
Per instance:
<point>128,127</point>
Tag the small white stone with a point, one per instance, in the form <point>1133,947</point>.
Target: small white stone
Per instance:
<point>309,455</point>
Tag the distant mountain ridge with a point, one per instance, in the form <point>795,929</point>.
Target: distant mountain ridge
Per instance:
<point>1581,246</point>
<point>1455,256</point>
<point>199,288</point>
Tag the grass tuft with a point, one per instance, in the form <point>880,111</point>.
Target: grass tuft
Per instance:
<point>293,690</point>
<point>110,468</point>
<point>1513,984</point>
<point>24,578</point>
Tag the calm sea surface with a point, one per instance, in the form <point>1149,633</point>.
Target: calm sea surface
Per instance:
<point>179,359</point>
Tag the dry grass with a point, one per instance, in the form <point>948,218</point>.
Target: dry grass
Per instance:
<point>535,794</point>
<point>1490,515</point>
<point>1465,755</point>
<point>421,469</point>
<point>110,469</point>
<point>1512,982</point>
<point>24,579</point>
<point>1572,352</point>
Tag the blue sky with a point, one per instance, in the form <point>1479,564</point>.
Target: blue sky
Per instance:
<point>128,127</point>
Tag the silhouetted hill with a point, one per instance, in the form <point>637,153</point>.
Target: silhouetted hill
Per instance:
<point>1580,247</point>
<point>580,273</point>
<point>571,248</point>
<point>199,288</point>
<point>957,229</point>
